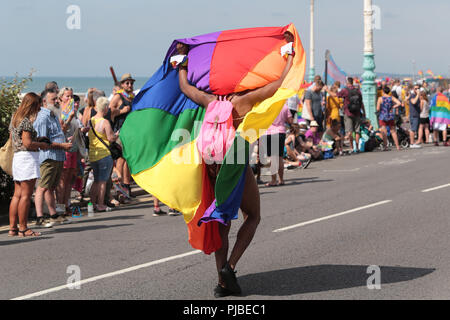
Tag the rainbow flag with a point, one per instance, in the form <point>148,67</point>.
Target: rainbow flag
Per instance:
<point>439,110</point>
<point>67,110</point>
<point>159,135</point>
<point>335,73</point>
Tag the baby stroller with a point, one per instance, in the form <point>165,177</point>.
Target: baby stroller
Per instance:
<point>403,135</point>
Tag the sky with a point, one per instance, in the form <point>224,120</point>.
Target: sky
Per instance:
<point>134,35</point>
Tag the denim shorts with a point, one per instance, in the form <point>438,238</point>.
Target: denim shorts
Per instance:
<point>102,169</point>
<point>414,124</point>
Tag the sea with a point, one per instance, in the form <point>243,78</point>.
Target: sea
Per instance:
<point>80,85</point>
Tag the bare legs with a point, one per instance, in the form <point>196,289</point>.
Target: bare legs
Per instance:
<point>383,129</point>
<point>423,128</point>
<point>250,207</point>
<point>20,206</point>
<point>65,186</point>
<point>49,196</point>
<point>276,163</point>
<point>97,194</point>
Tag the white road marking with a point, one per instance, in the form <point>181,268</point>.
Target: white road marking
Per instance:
<point>332,216</point>
<point>107,275</point>
<point>436,188</point>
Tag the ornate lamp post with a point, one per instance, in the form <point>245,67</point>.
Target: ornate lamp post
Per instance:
<point>369,90</point>
<point>312,70</point>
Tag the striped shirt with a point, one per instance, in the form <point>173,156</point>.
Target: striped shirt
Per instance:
<point>47,125</point>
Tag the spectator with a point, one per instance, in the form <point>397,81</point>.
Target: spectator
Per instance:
<point>386,109</point>
<point>447,92</point>
<point>439,124</point>
<point>120,108</point>
<point>292,104</point>
<point>69,126</point>
<point>47,125</point>
<point>332,134</point>
<point>273,142</point>
<point>334,105</point>
<point>313,138</point>
<point>353,105</point>
<point>99,154</point>
<point>312,109</point>
<point>294,148</point>
<point>424,126</point>
<point>25,168</point>
<point>52,86</point>
<point>414,115</point>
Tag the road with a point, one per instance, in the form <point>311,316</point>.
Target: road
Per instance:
<point>318,235</point>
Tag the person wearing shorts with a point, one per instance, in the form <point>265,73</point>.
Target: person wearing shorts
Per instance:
<point>99,154</point>
<point>273,143</point>
<point>352,120</point>
<point>52,160</point>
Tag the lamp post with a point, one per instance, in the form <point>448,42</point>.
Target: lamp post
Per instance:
<point>312,70</point>
<point>369,90</point>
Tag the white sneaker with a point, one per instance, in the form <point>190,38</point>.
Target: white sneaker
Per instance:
<point>415,146</point>
<point>59,220</point>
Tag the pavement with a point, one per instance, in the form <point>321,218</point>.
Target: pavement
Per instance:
<point>367,226</point>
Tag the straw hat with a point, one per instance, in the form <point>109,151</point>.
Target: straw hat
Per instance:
<point>314,124</point>
<point>126,76</point>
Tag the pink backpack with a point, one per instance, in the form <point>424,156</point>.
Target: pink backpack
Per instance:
<point>217,131</point>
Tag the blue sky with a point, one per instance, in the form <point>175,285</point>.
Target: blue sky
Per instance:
<point>134,35</point>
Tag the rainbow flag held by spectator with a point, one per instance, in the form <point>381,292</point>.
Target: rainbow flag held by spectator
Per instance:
<point>159,136</point>
<point>335,73</point>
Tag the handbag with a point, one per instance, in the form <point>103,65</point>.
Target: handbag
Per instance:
<point>6,157</point>
<point>114,148</point>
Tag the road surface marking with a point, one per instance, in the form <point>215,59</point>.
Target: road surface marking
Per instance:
<point>107,275</point>
<point>332,216</point>
<point>436,188</point>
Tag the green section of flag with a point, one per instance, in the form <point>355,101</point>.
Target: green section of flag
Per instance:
<point>149,134</point>
<point>232,169</point>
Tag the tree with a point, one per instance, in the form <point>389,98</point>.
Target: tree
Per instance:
<point>10,91</point>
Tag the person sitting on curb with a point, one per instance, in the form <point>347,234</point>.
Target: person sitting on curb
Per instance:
<point>294,145</point>
<point>313,138</point>
<point>332,134</point>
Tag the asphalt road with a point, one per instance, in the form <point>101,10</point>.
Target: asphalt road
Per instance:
<point>347,214</point>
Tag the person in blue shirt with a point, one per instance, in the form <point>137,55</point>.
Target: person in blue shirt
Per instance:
<point>51,161</point>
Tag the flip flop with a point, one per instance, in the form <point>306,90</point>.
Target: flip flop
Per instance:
<point>271,185</point>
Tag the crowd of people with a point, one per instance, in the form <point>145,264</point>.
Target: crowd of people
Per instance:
<point>333,122</point>
<point>57,144</point>
<point>59,147</point>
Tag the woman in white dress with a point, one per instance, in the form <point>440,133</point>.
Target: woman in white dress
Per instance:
<point>25,167</point>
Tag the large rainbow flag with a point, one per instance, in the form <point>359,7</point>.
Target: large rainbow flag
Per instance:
<point>159,135</point>
<point>440,110</point>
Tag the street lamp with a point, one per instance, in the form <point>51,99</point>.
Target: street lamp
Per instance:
<point>369,90</point>
<point>312,70</point>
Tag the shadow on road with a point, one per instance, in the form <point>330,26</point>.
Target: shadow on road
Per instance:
<point>108,218</point>
<point>78,229</point>
<point>22,240</point>
<point>321,278</point>
<point>296,181</point>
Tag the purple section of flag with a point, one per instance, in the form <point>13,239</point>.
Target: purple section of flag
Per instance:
<point>199,58</point>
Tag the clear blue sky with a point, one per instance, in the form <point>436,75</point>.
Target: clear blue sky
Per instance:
<point>133,35</point>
